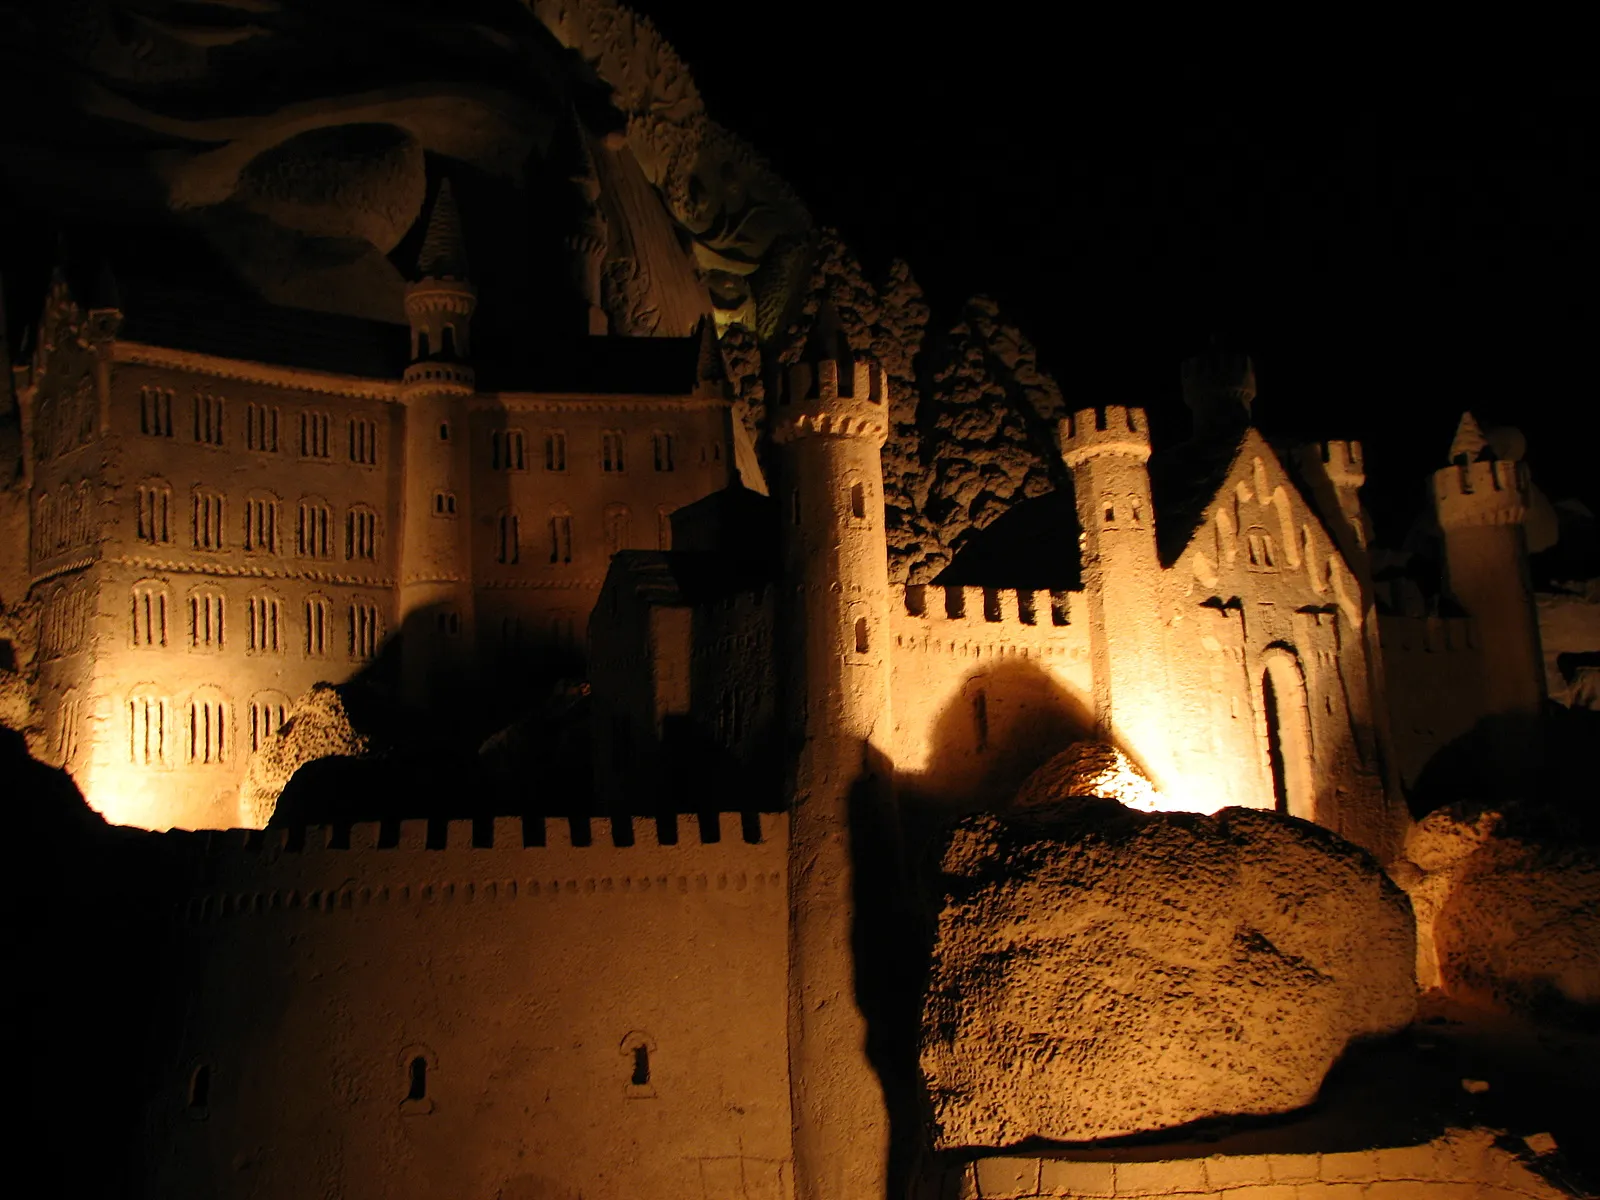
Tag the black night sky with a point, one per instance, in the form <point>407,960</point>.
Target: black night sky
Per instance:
<point>1391,247</point>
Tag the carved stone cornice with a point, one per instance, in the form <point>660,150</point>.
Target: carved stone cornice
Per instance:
<point>267,374</point>
<point>541,584</point>
<point>589,401</point>
<point>251,570</point>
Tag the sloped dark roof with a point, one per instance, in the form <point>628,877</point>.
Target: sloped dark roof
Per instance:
<point>684,578</point>
<point>1032,545</point>
<point>1183,481</point>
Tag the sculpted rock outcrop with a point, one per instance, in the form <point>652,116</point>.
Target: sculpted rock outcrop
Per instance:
<point>318,726</point>
<point>1109,972</point>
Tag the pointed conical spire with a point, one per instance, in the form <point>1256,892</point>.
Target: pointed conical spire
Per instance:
<point>444,253</point>
<point>1469,442</point>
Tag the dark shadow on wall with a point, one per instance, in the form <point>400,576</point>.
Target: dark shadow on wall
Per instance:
<point>1552,800</point>
<point>95,1001</point>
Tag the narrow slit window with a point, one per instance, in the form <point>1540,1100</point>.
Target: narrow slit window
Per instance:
<point>200,1087</point>
<point>861,635</point>
<point>641,1066</point>
<point>418,1079</point>
<point>858,501</point>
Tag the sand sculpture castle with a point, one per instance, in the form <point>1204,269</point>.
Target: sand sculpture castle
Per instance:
<point>703,980</point>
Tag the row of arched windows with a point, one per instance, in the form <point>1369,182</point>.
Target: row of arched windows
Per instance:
<point>63,520</point>
<point>64,623</point>
<point>617,528</point>
<point>268,625</point>
<point>508,450</point>
<point>197,730</point>
<point>318,533</point>
<point>207,421</point>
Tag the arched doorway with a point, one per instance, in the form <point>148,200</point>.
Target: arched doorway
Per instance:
<point>1287,721</point>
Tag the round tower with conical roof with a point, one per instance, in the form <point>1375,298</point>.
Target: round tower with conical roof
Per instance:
<point>828,428</point>
<point>436,609</point>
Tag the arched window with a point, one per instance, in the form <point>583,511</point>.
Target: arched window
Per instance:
<point>206,519</point>
<point>261,524</point>
<point>366,629</point>
<point>661,442</point>
<point>611,450</point>
<point>618,521</point>
<point>555,450</point>
<point>155,411</point>
<point>507,546</point>
<point>207,727</point>
<point>208,419</point>
<point>314,439</point>
<point>318,615</point>
<point>858,501</point>
<point>264,634</point>
<point>417,1065</point>
<point>508,450</point>
<point>268,711</point>
<point>150,603</point>
<point>1286,725</point>
<point>363,442</point>
<point>313,530</point>
<point>68,717</point>
<point>861,635</point>
<point>147,726</point>
<point>261,428</point>
<point>361,533</point>
<point>153,515</point>
<point>560,536</point>
<point>206,607</point>
<point>417,1077</point>
<point>444,504</point>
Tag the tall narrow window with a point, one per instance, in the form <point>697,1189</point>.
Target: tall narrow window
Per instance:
<point>200,1088</point>
<point>508,449</point>
<point>507,547</point>
<point>858,501</point>
<point>555,450</point>
<point>150,601</point>
<point>154,516</point>
<point>365,629</point>
<point>444,504</point>
<point>418,1079</point>
<point>155,411</point>
<point>980,717</point>
<point>206,607</point>
<point>611,450</point>
<point>147,727</point>
<point>312,532</point>
<point>641,1067</point>
<point>617,527</point>
<point>361,534</point>
<point>662,443</point>
<point>261,525</point>
<point>207,732</point>
<point>261,427</point>
<point>208,419</point>
<point>317,617</point>
<point>268,710</point>
<point>560,536</point>
<point>363,441</point>
<point>861,635</point>
<point>67,728</point>
<point>206,518</point>
<point>314,439</point>
<point>663,528</point>
<point>265,624</point>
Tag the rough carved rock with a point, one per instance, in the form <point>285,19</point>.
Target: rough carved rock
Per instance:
<point>318,726</point>
<point>1112,972</point>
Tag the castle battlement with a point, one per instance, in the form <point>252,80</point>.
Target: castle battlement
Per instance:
<point>816,398</point>
<point>1033,609</point>
<point>438,378</point>
<point>1493,492</point>
<point>1109,429</point>
<point>1343,462</point>
<point>328,867</point>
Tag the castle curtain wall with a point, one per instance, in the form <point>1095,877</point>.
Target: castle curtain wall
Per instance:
<point>599,1021</point>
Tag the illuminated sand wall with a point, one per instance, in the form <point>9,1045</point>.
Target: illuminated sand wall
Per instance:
<point>592,1020</point>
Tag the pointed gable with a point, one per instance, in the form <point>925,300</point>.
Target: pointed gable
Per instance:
<point>1258,535</point>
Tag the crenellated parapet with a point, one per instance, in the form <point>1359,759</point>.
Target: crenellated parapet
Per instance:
<point>1343,462</point>
<point>332,867</point>
<point>1112,429</point>
<point>1492,492</point>
<point>827,399</point>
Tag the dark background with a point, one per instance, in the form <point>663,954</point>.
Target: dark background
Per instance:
<point>1391,245</point>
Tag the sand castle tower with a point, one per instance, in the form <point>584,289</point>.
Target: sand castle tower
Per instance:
<point>828,428</point>
<point>435,604</point>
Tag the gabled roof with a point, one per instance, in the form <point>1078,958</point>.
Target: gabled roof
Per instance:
<point>1183,482</point>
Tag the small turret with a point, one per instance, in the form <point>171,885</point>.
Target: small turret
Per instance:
<point>1220,390</point>
<point>1482,500</point>
<point>440,304</point>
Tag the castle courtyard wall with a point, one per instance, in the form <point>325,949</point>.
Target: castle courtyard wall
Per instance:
<point>527,979</point>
